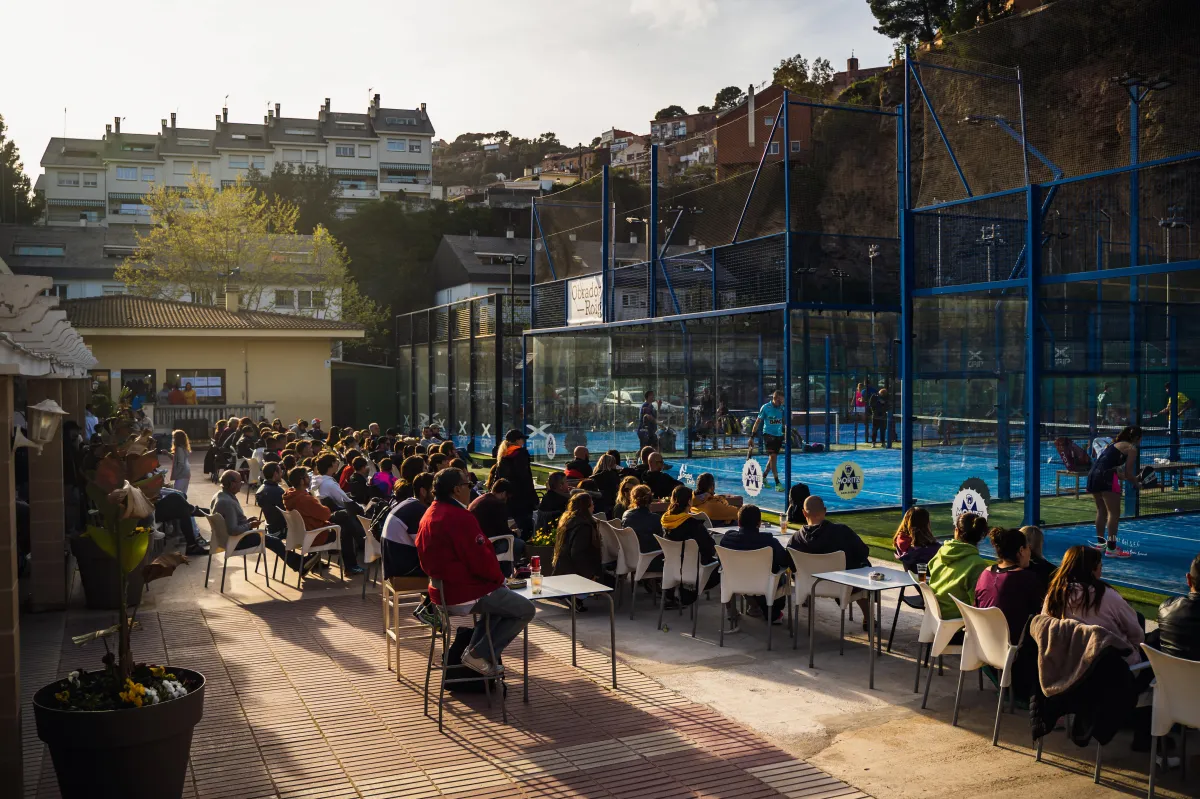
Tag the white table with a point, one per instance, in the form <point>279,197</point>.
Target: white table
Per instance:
<point>569,586</point>
<point>782,536</point>
<point>859,581</point>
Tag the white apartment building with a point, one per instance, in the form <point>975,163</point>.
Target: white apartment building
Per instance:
<point>102,181</point>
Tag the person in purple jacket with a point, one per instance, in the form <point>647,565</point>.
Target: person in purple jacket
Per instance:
<point>1009,583</point>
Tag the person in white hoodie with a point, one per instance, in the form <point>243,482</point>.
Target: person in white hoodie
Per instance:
<point>181,469</point>
<point>345,510</point>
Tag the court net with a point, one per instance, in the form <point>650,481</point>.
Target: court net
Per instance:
<point>954,433</point>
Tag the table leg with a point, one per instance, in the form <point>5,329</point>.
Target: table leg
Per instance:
<point>879,616</point>
<point>871,635</point>
<point>812,604</point>
<point>525,662</point>
<point>612,635</point>
<point>572,599</point>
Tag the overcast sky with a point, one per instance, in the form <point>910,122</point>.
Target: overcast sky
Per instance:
<point>575,67</point>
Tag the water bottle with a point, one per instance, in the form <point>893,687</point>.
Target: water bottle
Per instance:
<point>535,575</point>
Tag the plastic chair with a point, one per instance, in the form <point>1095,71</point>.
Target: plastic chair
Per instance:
<point>749,572</point>
<point>442,630</point>
<point>610,548</point>
<point>633,563</point>
<point>372,555</point>
<point>301,540</point>
<point>703,517</point>
<point>1176,701</point>
<point>914,602</point>
<point>808,564</point>
<point>936,633</point>
<point>682,567</point>
<point>255,466</point>
<point>221,541</point>
<point>986,643</point>
<point>507,556</point>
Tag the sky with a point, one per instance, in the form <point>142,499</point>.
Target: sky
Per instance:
<point>575,67</point>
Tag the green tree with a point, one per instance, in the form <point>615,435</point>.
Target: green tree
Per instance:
<point>18,203</point>
<point>797,75</point>
<point>727,98</point>
<point>704,109</point>
<point>312,189</point>
<point>670,112</point>
<point>911,21</point>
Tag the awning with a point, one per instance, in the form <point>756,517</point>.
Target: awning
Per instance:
<point>356,173</point>
<point>76,203</point>
<point>405,167</point>
<point>124,195</point>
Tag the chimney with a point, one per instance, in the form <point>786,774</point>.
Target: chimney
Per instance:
<point>225,114</point>
<point>163,122</point>
<point>423,114</point>
<point>327,105</point>
<point>277,114</point>
<point>107,131</point>
<point>172,120</point>
<point>852,65</point>
<point>117,124</point>
<point>218,123</point>
<point>231,299</point>
<point>376,100</point>
<point>750,115</point>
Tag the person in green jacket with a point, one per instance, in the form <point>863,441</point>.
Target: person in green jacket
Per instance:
<point>956,567</point>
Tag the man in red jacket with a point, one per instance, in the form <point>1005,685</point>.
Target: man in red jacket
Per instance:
<point>453,549</point>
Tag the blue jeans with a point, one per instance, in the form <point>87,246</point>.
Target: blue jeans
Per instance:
<point>508,613</point>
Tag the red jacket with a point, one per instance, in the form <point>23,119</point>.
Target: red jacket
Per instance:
<point>454,549</point>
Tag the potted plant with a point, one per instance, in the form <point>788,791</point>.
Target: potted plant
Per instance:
<point>124,729</point>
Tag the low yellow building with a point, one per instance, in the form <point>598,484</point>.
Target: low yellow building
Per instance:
<point>233,359</point>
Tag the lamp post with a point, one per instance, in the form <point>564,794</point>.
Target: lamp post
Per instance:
<point>990,236</point>
<point>1138,87</point>
<point>1173,221</point>
<point>841,277</point>
<point>512,261</point>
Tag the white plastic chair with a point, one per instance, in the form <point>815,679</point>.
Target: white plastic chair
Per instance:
<point>633,563</point>
<point>301,540</point>
<point>703,517</point>
<point>504,557</point>
<point>986,643</point>
<point>252,482</point>
<point>749,572</point>
<point>372,555</point>
<point>682,567</point>
<point>221,541</point>
<point>936,633</point>
<point>610,548</point>
<point>1176,701</point>
<point>808,564</point>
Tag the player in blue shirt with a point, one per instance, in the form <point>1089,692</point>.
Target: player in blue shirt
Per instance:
<point>770,419</point>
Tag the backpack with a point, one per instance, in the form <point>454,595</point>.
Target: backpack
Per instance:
<point>379,516</point>
<point>455,670</point>
<point>1073,456</point>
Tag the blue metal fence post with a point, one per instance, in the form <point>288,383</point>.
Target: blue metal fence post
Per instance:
<point>1173,365</point>
<point>605,243</point>
<point>533,238</point>
<point>828,385</point>
<point>652,233</point>
<point>907,256</point>
<point>713,266</point>
<point>1033,355</point>
<point>787,292</point>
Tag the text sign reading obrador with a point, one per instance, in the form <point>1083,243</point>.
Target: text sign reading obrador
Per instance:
<point>847,480</point>
<point>585,300</point>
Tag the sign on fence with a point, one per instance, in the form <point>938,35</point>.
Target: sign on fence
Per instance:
<point>585,300</point>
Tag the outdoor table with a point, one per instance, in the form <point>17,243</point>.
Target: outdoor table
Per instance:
<point>570,586</point>
<point>858,580</point>
<point>1175,470</point>
<point>782,536</point>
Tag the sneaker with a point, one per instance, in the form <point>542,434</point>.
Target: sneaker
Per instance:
<point>778,619</point>
<point>310,562</point>
<point>355,570</point>
<point>196,551</point>
<point>733,627</point>
<point>479,665</point>
<point>1117,552</point>
<point>753,611</point>
<point>427,614</point>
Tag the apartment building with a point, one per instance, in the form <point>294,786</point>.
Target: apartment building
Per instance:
<point>379,153</point>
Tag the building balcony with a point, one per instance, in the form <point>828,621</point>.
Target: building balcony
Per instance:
<point>396,183</point>
<point>360,194</point>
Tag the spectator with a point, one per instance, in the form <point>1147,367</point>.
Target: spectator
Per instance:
<point>454,550</point>
<point>914,542</point>
<point>615,454</point>
<point>410,467</point>
<point>680,524</point>
<point>461,465</point>
<point>1179,620</point>
<point>315,430</point>
<point>171,506</point>
<point>359,485</point>
<point>437,462</point>
<point>447,448</point>
<point>607,478</point>
<point>343,475</point>
<point>579,468</point>
<point>955,569</point>
<point>89,422</point>
<point>1077,592</point>
<point>795,509</point>
<point>1035,539</point>
<point>661,483</point>
<point>514,466</point>
<point>820,536</point>
<point>314,514</point>
<point>345,510</point>
<point>749,536</point>
<point>491,511</point>
<point>225,503</point>
<point>175,397</point>
<point>383,481</point>
<point>1009,584</point>
<point>641,519</point>
<point>709,502</point>
<point>189,394</point>
<point>400,530</point>
<point>181,468</point>
<point>577,544</point>
<point>554,501</point>
<point>164,396</point>
<point>624,501</point>
<point>269,498</point>
<point>300,428</point>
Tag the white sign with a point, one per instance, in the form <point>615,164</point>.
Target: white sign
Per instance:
<point>752,477</point>
<point>686,477</point>
<point>585,300</point>
<point>847,480</point>
<point>968,501</point>
<point>551,446</point>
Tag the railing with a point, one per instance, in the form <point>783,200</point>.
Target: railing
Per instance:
<point>199,420</point>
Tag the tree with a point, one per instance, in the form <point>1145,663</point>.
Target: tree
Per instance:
<point>18,203</point>
<point>810,80</point>
<point>595,142</point>
<point>727,98</point>
<point>704,109</point>
<point>312,189</point>
<point>911,21</point>
<point>670,112</point>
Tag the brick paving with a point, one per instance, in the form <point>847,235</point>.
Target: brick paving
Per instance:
<point>300,704</point>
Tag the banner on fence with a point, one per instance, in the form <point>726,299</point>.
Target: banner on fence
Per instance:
<point>585,300</point>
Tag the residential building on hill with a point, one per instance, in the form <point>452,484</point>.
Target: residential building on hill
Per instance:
<point>744,129</point>
<point>852,74</point>
<point>382,152</point>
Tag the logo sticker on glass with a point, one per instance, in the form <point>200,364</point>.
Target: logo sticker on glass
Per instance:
<point>847,480</point>
<point>752,478</point>
<point>551,446</point>
<point>968,501</point>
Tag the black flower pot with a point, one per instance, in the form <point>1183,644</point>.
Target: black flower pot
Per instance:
<point>136,753</point>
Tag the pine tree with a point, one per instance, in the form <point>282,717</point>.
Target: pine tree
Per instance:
<point>17,201</point>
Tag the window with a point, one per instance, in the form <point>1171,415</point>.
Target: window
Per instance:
<point>292,156</point>
<point>352,183</point>
<point>113,289</point>
<point>209,384</point>
<point>137,147</point>
<point>414,145</point>
<point>285,298</point>
<point>364,151</point>
<point>127,173</point>
<point>181,168</point>
<point>42,250</point>
<point>768,121</point>
<point>101,381</point>
<point>186,142</point>
<point>239,161</point>
<point>133,209</point>
<point>148,174</point>
<point>311,299</point>
<point>773,149</point>
<point>344,150</point>
<point>400,120</point>
<point>89,180</point>
<point>90,216</point>
<point>795,146</point>
<point>397,145</point>
<point>345,125</point>
<point>300,131</point>
<point>258,161</point>
<point>57,290</point>
<point>310,156</point>
<point>68,178</point>
<point>203,167</point>
<point>239,136</point>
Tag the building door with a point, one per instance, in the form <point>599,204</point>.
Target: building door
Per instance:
<point>345,401</point>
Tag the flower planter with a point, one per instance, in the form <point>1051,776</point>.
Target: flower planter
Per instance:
<point>136,753</point>
<point>545,552</point>
<point>97,572</point>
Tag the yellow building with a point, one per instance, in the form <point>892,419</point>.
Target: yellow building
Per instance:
<point>243,363</point>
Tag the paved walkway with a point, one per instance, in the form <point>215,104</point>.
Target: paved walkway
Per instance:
<point>300,703</point>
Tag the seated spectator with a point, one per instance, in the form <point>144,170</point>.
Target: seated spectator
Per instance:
<point>955,569</point>
<point>749,536</point>
<point>269,498</point>
<point>640,465</point>
<point>554,501</point>
<point>608,480</point>
<point>383,481</point>
<point>1035,539</point>
<point>1179,620</point>
<point>1077,592</point>
<point>820,536</point>
<point>709,502</point>
<point>579,468</point>
<point>680,524</point>
<point>577,544</point>
<point>171,506</point>
<point>624,501</point>
<point>914,542</point>
<point>343,475</point>
<point>641,519</point>
<point>1009,583</point>
<point>615,454</point>
<point>491,511</point>
<point>226,503</point>
<point>345,510</point>
<point>437,462</point>
<point>400,530</point>
<point>454,550</point>
<point>359,485</point>
<point>661,483</point>
<point>795,509</point>
<point>461,465</point>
